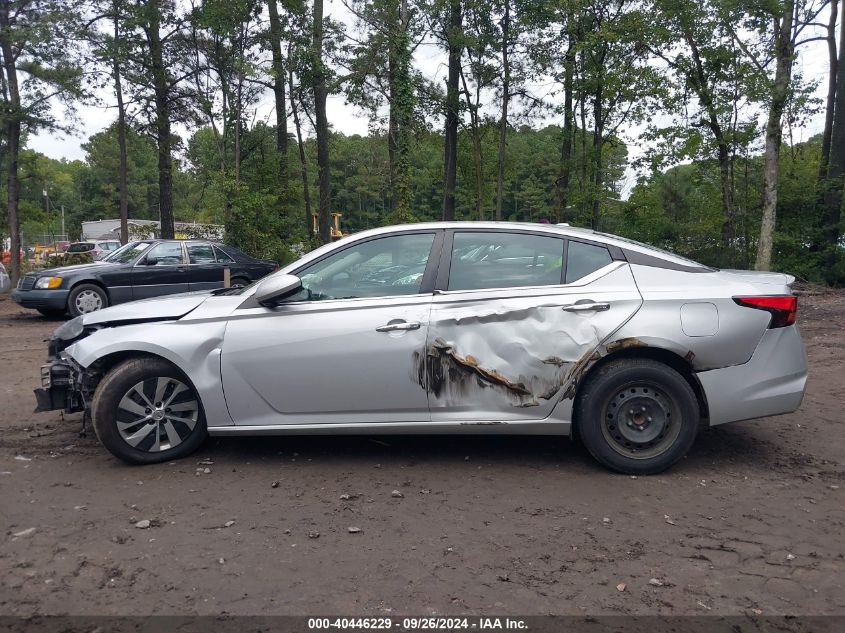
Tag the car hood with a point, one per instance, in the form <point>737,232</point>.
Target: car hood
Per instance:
<point>76,268</point>
<point>157,309</point>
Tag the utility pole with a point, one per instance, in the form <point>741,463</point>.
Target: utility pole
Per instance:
<point>47,202</point>
<point>64,235</point>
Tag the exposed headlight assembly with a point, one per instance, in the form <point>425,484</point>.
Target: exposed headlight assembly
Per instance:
<point>69,330</point>
<point>43,283</point>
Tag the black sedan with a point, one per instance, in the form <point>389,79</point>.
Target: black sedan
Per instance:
<point>138,270</point>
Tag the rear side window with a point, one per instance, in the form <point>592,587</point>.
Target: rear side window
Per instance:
<point>504,260</point>
<point>200,254</point>
<point>583,259</point>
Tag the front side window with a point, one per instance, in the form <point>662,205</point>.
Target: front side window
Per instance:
<point>384,267</point>
<point>200,254</point>
<point>165,254</point>
<point>504,260</point>
<point>583,259</point>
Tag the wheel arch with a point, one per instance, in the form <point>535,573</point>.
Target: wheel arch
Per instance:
<point>93,282</point>
<point>195,351</point>
<point>106,363</point>
<point>662,355</point>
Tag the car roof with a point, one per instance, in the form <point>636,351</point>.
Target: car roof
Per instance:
<point>559,230</point>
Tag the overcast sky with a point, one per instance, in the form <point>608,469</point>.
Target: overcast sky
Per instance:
<point>431,61</point>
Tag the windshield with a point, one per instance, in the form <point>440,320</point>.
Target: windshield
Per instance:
<point>127,253</point>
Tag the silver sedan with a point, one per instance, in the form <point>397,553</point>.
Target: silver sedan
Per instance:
<point>444,328</point>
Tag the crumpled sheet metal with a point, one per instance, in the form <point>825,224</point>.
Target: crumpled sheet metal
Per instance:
<point>517,356</point>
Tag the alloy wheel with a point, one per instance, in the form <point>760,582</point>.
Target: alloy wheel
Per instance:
<point>88,301</point>
<point>157,414</point>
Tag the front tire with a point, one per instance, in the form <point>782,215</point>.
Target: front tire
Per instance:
<point>145,411</point>
<point>86,298</point>
<point>637,416</point>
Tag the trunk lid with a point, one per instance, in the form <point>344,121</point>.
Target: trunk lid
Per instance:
<point>771,282</point>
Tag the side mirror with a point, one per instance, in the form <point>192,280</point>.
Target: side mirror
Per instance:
<point>277,287</point>
<point>151,261</point>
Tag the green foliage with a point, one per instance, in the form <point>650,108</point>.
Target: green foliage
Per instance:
<point>256,229</point>
<point>680,210</point>
<point>99,183</point>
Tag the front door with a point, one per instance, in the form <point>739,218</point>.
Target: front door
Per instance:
<point>161,271</point>
<point>514,318</point>
<point>345,348</point>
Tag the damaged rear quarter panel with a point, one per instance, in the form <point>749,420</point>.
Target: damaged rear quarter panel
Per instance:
<point>510,354</point>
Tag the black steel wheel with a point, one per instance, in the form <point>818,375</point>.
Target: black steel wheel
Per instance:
<point>637,416</point>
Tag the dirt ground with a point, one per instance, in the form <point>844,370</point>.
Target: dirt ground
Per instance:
<point>752,522</point>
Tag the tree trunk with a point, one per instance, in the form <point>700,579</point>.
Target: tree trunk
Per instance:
<point>303,164</point>
<point>479,173</point>
<point>771,170</point>
<point>279,78</point>
<point>122,175</point>
<point>401,110</point>
<point>13,143</point>
<point>582,164</point>
<point>503,122</point>
<point>724,157</point>
<point>454,37</point>
<point>833,185</point>
<point>475,131</point>
<point>831,90</point>
<point>163,136</point>
<point>699,84</point>
<point>392,126</point>
<point>321,126</point>
<point>565,174</point>
<point>238,115</point>
<point>598,144</point>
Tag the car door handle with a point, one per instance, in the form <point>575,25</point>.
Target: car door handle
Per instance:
<point>395,327</point>
<point>587,306</point>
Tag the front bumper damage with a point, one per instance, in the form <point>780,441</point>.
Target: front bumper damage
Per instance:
<point>64,386</point>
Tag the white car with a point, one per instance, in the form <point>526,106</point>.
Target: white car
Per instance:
<point>444,328</point>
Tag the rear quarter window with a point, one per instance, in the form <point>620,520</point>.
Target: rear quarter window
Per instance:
<point>222,256</point>
<point>583,259</point>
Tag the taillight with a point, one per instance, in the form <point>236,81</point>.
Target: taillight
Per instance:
<point>783,308</point>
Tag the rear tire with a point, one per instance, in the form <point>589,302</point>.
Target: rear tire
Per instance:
<point>637,416</point>
<point>146,411</point>
<point>238,282</point>
<point>86,298</point>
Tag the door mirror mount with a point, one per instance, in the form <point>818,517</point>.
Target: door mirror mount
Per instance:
<point>275,288</point>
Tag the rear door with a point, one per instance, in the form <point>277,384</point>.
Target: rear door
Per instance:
<point>161,271</point>
<point>513,314</point>
<point>204,272</point>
